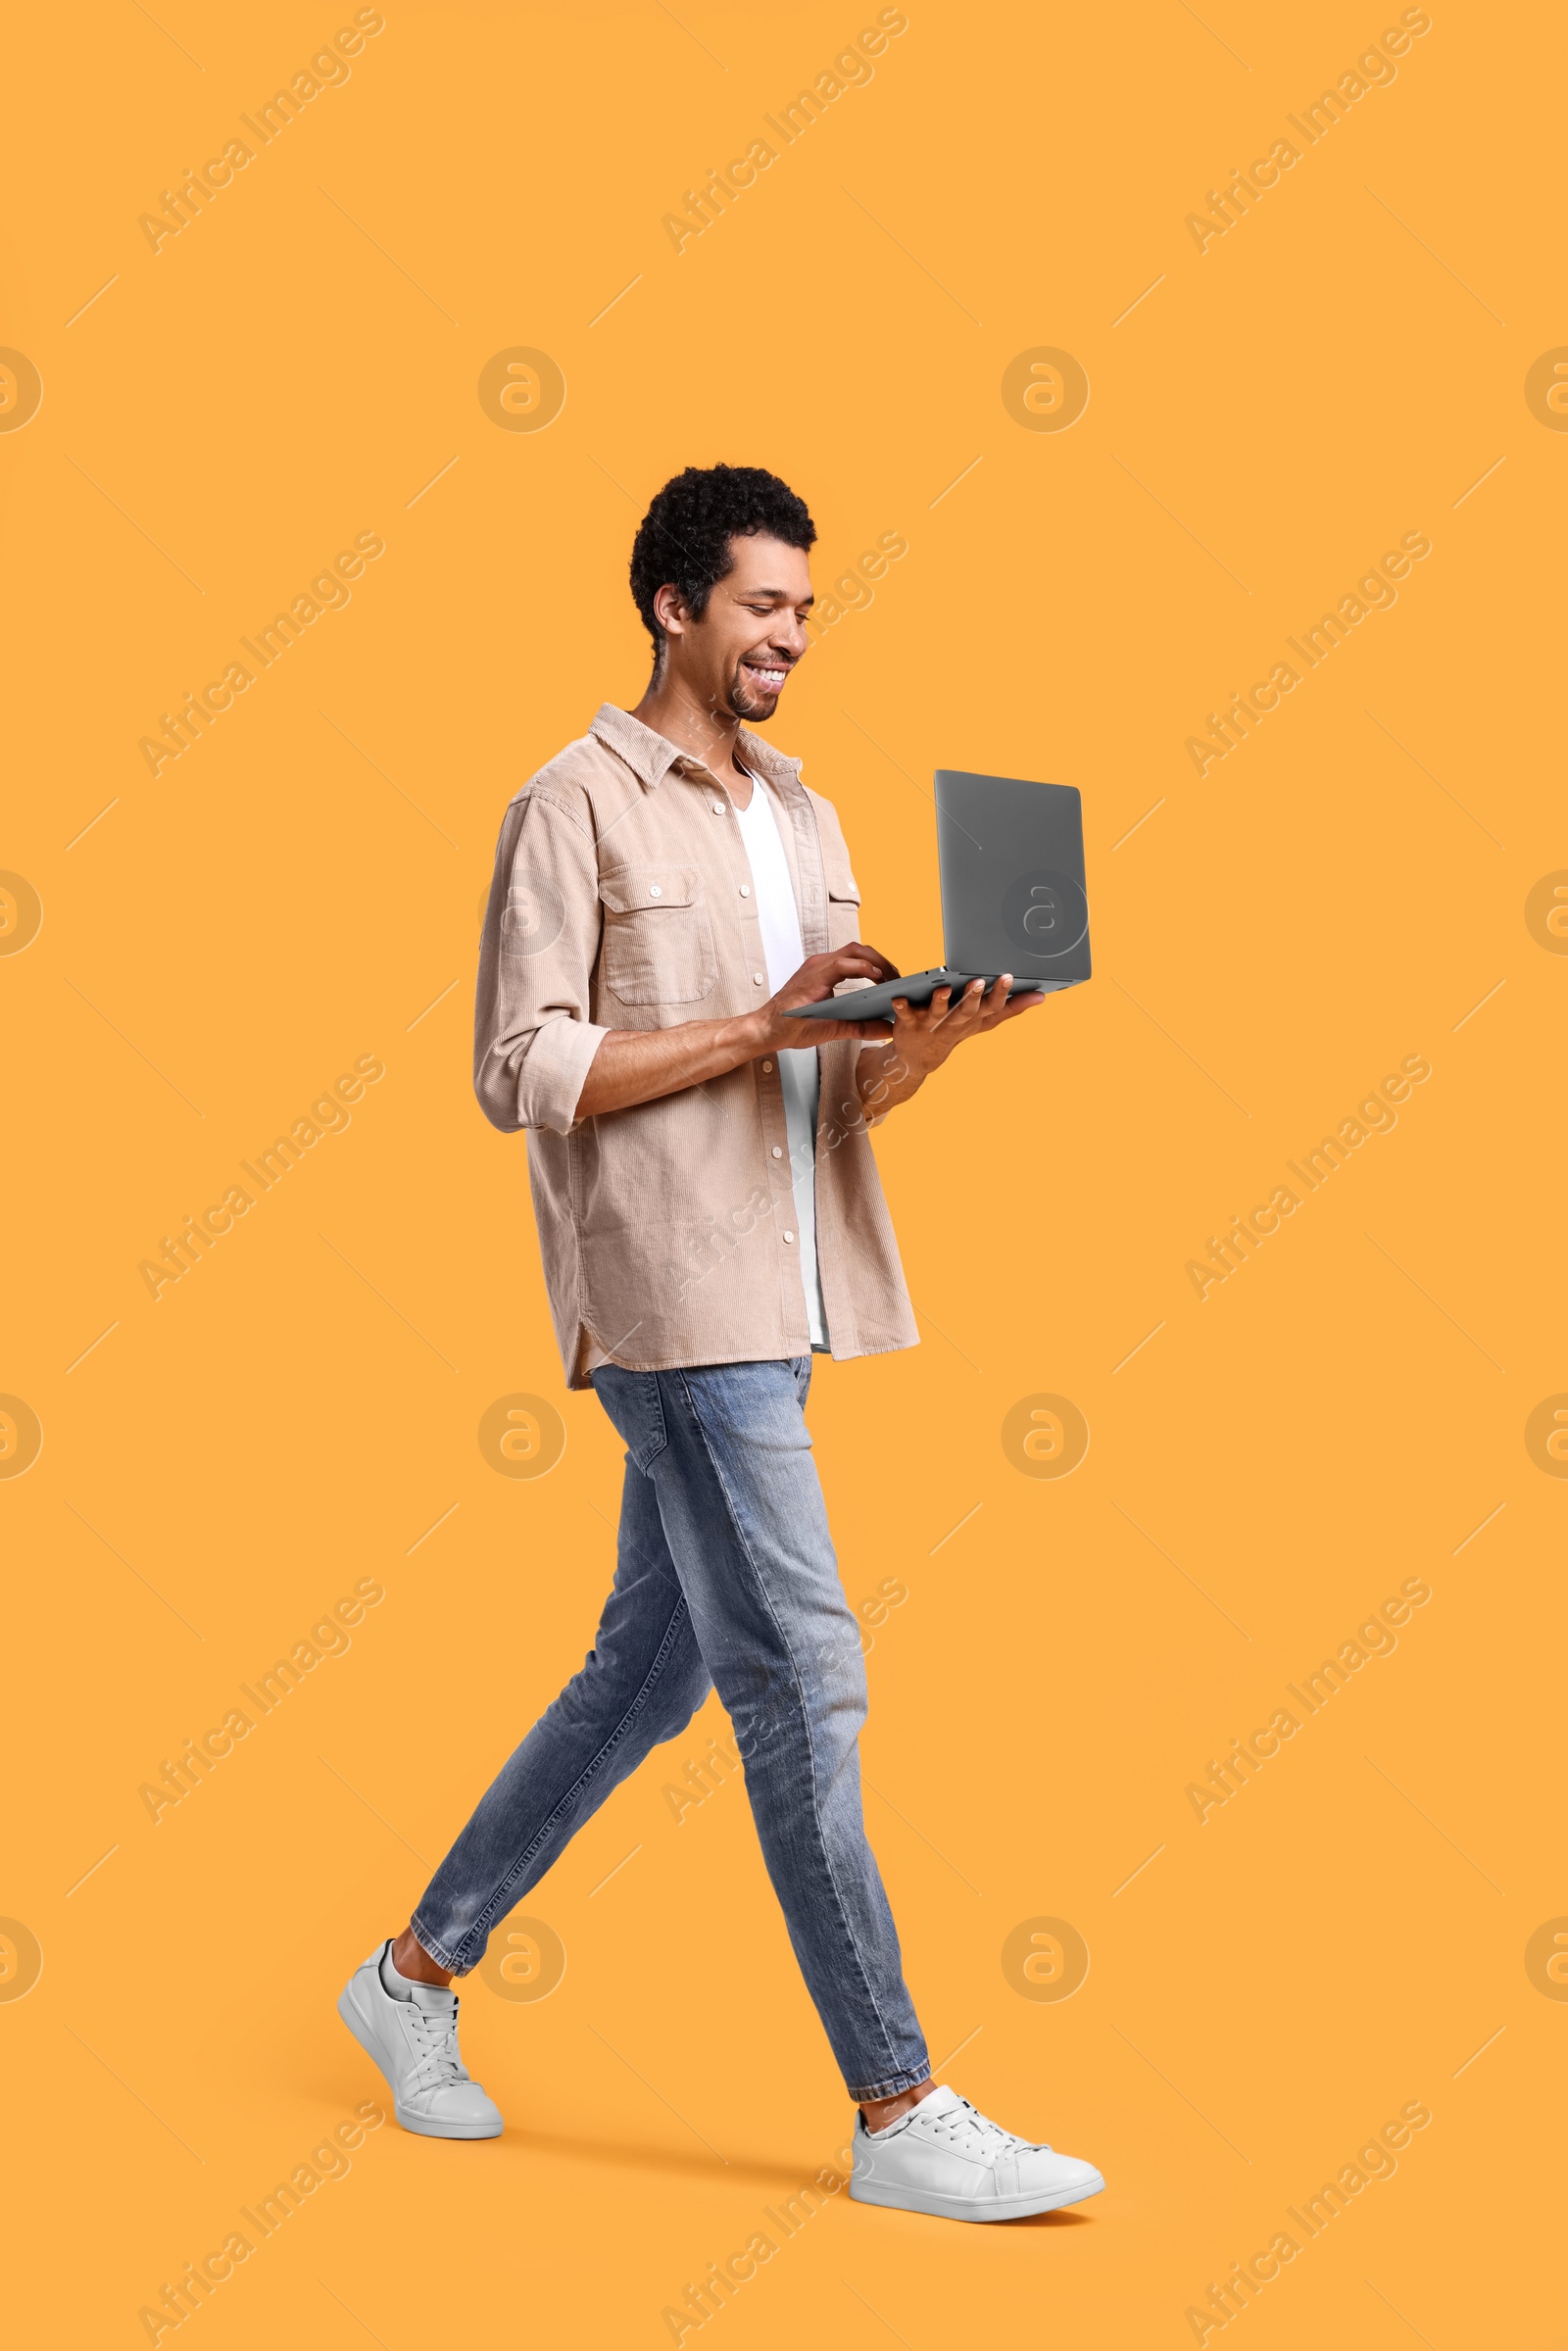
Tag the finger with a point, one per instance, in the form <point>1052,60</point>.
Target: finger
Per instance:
<point>858,956</point>
<point>1018,1005</point>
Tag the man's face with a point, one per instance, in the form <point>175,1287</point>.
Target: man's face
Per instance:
<point>740,653</point>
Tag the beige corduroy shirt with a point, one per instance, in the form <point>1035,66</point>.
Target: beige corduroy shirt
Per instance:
<point>623,899</point>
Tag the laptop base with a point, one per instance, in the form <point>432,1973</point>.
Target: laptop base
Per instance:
<point>876,1003</point>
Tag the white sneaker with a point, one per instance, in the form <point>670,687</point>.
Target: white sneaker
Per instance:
<point>944,2158</point>
<point>415,2043</point>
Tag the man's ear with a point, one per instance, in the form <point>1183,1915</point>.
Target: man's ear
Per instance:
<point>671,611</point>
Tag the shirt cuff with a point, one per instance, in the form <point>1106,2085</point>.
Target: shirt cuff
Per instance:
<point>554,1070</point>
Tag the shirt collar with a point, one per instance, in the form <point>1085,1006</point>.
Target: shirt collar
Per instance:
<point>651,756</point>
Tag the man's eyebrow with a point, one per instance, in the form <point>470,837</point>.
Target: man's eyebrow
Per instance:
<point>779,594</point>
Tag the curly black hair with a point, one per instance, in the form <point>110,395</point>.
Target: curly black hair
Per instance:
<point>683,539</point>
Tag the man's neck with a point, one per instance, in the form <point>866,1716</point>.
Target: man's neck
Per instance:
<point>672,708</point>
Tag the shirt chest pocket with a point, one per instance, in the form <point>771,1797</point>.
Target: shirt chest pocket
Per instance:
<point>658,936</point>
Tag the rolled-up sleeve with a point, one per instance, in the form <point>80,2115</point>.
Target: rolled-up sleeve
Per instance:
<point>532,1037</point>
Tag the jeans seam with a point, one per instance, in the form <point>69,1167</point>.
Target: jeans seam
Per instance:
<point>817,1818</point>
<point>498,1906</point>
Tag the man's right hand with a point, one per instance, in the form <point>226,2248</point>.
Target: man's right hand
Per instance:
<point>642,1065</point>
<point>812,984</point>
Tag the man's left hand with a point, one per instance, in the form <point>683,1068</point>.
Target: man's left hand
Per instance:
<point>924,1035</point>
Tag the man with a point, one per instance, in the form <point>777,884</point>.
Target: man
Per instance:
<point>710,1216</point>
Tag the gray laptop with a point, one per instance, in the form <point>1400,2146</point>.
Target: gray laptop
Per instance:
<point>1012,860</point>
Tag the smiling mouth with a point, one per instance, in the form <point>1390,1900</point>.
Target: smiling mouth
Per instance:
<point>768,674</point>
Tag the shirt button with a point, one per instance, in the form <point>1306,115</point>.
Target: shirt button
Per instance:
<point>719,808</point>
<point>757,979</point>
<point>789,1236</point>
<point>767,1069</point>
<point>654,890</point>
<point>746,888</point>
<point>777,1153</point>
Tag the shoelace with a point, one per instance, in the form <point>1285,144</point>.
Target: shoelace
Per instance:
<point>436,2040</point>
<point>974,2133</point>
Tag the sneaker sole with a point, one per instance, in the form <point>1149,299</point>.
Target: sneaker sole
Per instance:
<point>349,2010</point>
<point>967,2208</point>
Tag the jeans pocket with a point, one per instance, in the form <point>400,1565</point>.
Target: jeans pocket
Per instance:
<point>636,1410</point>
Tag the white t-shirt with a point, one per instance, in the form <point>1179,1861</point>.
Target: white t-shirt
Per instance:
<point>784,953</point>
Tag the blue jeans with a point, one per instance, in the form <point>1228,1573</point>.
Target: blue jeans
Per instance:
<point>726,1580</point>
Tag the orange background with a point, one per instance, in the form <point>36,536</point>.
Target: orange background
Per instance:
<point>298,366</point>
